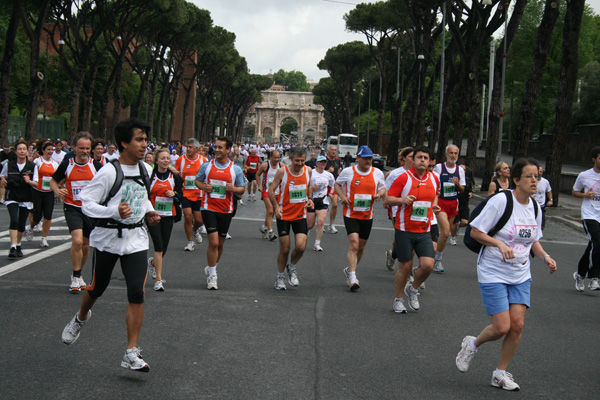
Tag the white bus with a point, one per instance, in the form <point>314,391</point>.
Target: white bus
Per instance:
<point>330,141</point>
<point>347,143</point>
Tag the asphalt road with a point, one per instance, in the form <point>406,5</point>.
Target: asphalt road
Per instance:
<point>317,341</point>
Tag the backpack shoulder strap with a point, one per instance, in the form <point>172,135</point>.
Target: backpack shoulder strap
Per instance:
<point>145,177</point>
<point>505,215</point>
<point>117,183</point>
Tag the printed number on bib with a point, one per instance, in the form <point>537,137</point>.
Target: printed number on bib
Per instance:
<point>420,211</point>
<point>46,182</point>
<point>362,202</point>
<point>449,189</point>
<point>523,236</point>
<point>164,206</point>
<point>253,165</point>
<point>77,187</point>
<point>218,189</point>
<point>297,193</point>
<point>190,182</point>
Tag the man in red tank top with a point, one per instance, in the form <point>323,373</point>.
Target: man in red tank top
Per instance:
<point>295,191</point>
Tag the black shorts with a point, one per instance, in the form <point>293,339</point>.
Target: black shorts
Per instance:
<point>406,242</point>
<point>194,205</point>
<point>216,222</point>
<point>435,233</point>
<point>161,234</point>
<point>463,213</point>
<point>43,204</point>
<point>251,176</point>
<point>360,226</point>
<point>543,217</point>
<point>298,226</point>
<point>319,204</point>
<point>134,267</point>
<point>76,219</point>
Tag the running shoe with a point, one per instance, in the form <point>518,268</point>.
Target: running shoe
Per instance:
<point>38,227</point>
<point>198,237</point>
<point>44,242</point>
<point>438,267</point>
<point>19,251</point>
<point>151,268</point>
<point>228,236</point>
<point>28,233</point>
<point>317,247</point>
<point>353,284</point>
<point>399,306</point>
<point>465,355</point>
<point>264,233</point>
<point>593,285</point>
<point>1,200</point>
<point>159,285</point>
<point>74,287</point>
<point>189,247</point>
<point>280,283</point>
<point>133,360</point>
<point>331,229</point>
<point>12,253</point>
<point>272,236</point>
<point>82,285</point>
<point>579,282</point>
<point>413,298</point>
<point>71,332</point>
<point>211,280</point>
<point>389,261</point>
<point>504,380</point>
<point>241,202</point>
<point>292,275</point>
<point>452,241</point>
<point>203,229</point>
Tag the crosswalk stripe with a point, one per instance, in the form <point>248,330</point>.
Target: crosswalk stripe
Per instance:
<point>57,219</point>
<point>40,255</point>
<point>61,238</point>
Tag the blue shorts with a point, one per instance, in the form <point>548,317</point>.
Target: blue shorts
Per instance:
<point>497,297</point>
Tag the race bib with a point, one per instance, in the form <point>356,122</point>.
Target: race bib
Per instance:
<point>524,235</point>
<point>77,187</point>
<point>420,211</point>
<point>46,182</point>
<point>297,193</point>
<point>362,202</point>
<point>190,183</point>
<point>164,206</point>
<point>449,189</point>
<point>218,189</point>
<point>253,165</point>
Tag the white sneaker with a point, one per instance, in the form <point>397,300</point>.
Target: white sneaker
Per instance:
<point>189,247</point>
<point>1,201</point>
<point>504,380</point>
<point>438,267</point>
<point>579,282</point>
<point>28,233</point>
<point>74,287</point>
<point>159,285</point>
<point>265,233</point>
<point>82,285</point>
<point>399,306</point>
<point>351,281</point>
<point>280,283</point>
<point>413,298</point>
<point>197,237</point>
<point>317,247</point>
<point>241,202</point>
<point>38,227</point>
<point>211,280</point>
<point>593,285</point>
<point>331,229</point>
<point>272,236</point>
<point>292,275</point>
<point>133,360</point>
<point>452,241</point>
<point>465,355</point>
<point>44,242</point>
<point>203,229</point>
<point>151,268</point>
<point>228,236</point>
<point>389,261</point>
<point>71,332</point>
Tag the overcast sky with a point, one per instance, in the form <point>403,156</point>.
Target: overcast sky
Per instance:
<point>288,34</point>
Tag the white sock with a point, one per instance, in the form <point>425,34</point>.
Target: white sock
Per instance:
<point>264,227</point>
<point>317,242</point>
<point>438,255</point>
<point>270,231</point>
<point>352,274</point>
<point>281,275</point>
<point>212,270</point>
<point>498,371</point>
<point>472,344</point>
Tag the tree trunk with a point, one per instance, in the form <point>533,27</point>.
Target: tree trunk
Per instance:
<point>566,90</point>
<point>88,99</point>
<point>532,88</point>
<point>5,70</point>
<point>76,88</point>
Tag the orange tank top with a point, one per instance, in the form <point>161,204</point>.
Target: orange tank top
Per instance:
<point>360,192</point>
<point>293,191</point>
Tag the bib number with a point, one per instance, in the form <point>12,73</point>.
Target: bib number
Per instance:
<point>190,183</point>
<point>297,193</point>
<point>218,189</point>
<point>163,206</point>
<point>77,187</point>
<point>253,165</point>
<point>449,189</point>
<point>362,202</point>
<point>46,182</point>
<point>420,211</point>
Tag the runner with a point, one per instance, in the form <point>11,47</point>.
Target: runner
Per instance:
<point>58,154</point>
<point>323,184</point>
<point>76,172</point>
<point>16,178</point>
<point>544,191</point>
<point>98,151</point>
<point>462,218</point>
<point>220,179</point>
<point>452,181</point>
<point>165,194</point>
<point>501,179</point>
<point>293,181</point>
<point>43,196</point>
<point>503,269</point>
<point>264,175</point>
<point>251,168</point>
<point>119,235</point>
<point>357,188</point>
<point>587,187</point>
<point>188,166</point>
<point>334,166</point>
<point>415,194</point>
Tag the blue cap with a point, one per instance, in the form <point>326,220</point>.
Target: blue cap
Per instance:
<point>364,152</point>
<point>321,158</point>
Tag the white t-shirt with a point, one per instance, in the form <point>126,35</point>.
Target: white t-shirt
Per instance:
<point>58,157</point>
<point>390,179</point>
<point>174,158</point>
<point>543,187</point>
<point>109,157</point>
<point>590,179</point>
<point>323,181</point>
<point>106,239</point>
<point>519,233</point>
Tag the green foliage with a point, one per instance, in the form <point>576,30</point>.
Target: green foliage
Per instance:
<point>294,81</point>
<point>289,125</point>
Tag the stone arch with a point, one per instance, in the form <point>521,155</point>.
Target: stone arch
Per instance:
<point>267,133</point>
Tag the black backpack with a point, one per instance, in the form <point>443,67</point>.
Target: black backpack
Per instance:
<point>473,244</point>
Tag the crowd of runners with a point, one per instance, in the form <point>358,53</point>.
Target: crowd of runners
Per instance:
<point>118,197</point>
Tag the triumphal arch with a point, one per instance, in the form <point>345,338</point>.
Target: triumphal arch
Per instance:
<point>278,106</point>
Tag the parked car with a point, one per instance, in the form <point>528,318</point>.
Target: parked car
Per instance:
<point>378,162</point>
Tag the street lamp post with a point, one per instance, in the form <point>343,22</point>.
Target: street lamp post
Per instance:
<point>45,89</point>
<point>504,55</point>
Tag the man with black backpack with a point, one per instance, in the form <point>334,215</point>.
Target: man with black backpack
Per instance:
<point>119,233</point>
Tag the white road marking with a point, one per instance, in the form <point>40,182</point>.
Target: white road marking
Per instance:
<point>14,266</point>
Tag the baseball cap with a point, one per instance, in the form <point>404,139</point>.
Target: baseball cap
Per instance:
<point>321,158</point>
<point>364,152</point>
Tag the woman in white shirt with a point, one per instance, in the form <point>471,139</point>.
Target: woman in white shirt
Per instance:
<point>322,182</point>
<point>503,268</point>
